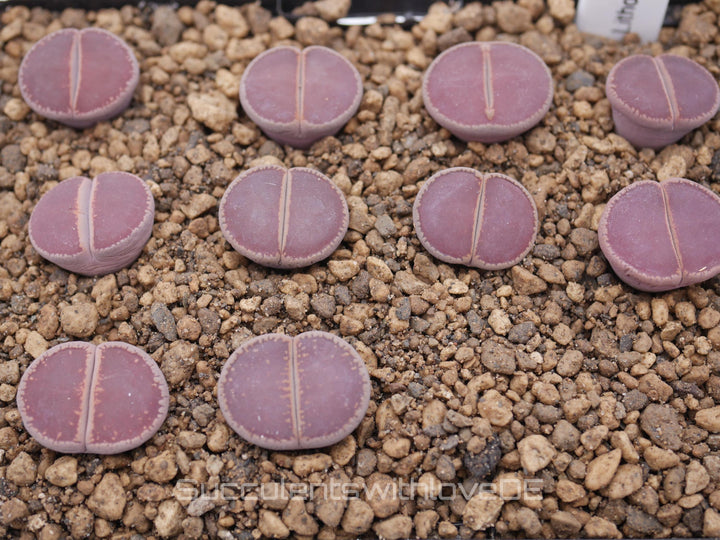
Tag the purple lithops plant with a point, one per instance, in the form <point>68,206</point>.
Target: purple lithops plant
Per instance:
<point>487,91</point>
<point>79,77</point>
<point>82,398</point>
<point>298,96</point>
<point>659,236</point>
<point>93,227</point>
<point>283,218</point>
<point>488,221</point>
<point>285,393</point>
<point>658,100</point>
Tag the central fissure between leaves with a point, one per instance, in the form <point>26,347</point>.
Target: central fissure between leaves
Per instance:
<point>671,230</point>
<point>488,83</point>
<point>88,398</point>
<point>294,382</point>
<point>300,99</point>
<point>479,206</point>
<point>285,188</point>
<point>669,90</point>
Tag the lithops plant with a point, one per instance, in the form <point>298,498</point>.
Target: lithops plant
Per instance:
<point>297,96</point>
<point>81,398</point>
<point>488,221</point>
<point>283,218</point>
<point>293,393</point>
<point>487,92</point>
<point>79,77</point>
<point>658,100</point>
<point>659,236</point>
<point>93,227</point>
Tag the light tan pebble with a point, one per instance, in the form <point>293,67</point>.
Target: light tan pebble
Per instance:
<point>387,182</point>
<point>191,440</point>
<point>711,524</point>
<point>13,510</point>
<point>189,328</point>
<point>168,521</point>
<point>500,322</point>
<point>200,506</point>
<point>63,472</point>
<point>562,10</point>
<point>598,527</point>
<point>438,18</point>
<point>297,519</point>
<point>166,292</point>
<point>312,31</point>
<point>593,437</point>
<point>425,522</point>
<point>305,465</point>
<point>35,344</point>
<point>232,20</point>
<point>79,320</point>
<point>495,408</point>
<point>212,109</point>
<point>575,291</point>
<point>708,318</point>
<point>274,495</point>
<point>482,511</point>
<point>696,478</point>
<point>378,269</point>
<point>429,486</point>
<point>198,205</point>
<point>658,458</point>
<point>525,282</point>
<point>16,109</point>
<point>446,529</point>
<point>674,167</point>
<point>536,452</point>
<point>161,468</point>
<point>344,269</point>
<point>394,528</point>
<point>382,495</point>
<point>512,18</point>
<point>455,286</point>
<point>396,447</point>
<point>281,28</point>
<point>621,440</point>
<point>660,311</point>
<point>22,471</point>
<point>600,471</point>
<point>551,274</point>
<point>101,164</point>
<point>271,526</point>
<point>627,480</point>
<point>568,491</point>
<point>685,312</point>
<point>107,500</point>
<point>342,452</point>
<point>357,518</point>
<point>709,419</point>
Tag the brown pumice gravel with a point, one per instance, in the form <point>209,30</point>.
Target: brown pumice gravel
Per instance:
<point>546,400</point>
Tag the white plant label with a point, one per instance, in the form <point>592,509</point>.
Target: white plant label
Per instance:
<point>615,18</point>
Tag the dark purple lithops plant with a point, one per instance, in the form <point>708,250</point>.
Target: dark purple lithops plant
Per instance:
<point>93,227</point>
<point>659,236</point>
<point>82,398</point>
<point>79,77</point>
<point>298,96</point>
<point>487,92</point>
<point>488,221</point>
<point>283,218</point>
<point>657,100</point>
<point>285,393</point>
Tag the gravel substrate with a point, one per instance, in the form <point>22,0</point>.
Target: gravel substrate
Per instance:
<point>547,400</point>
